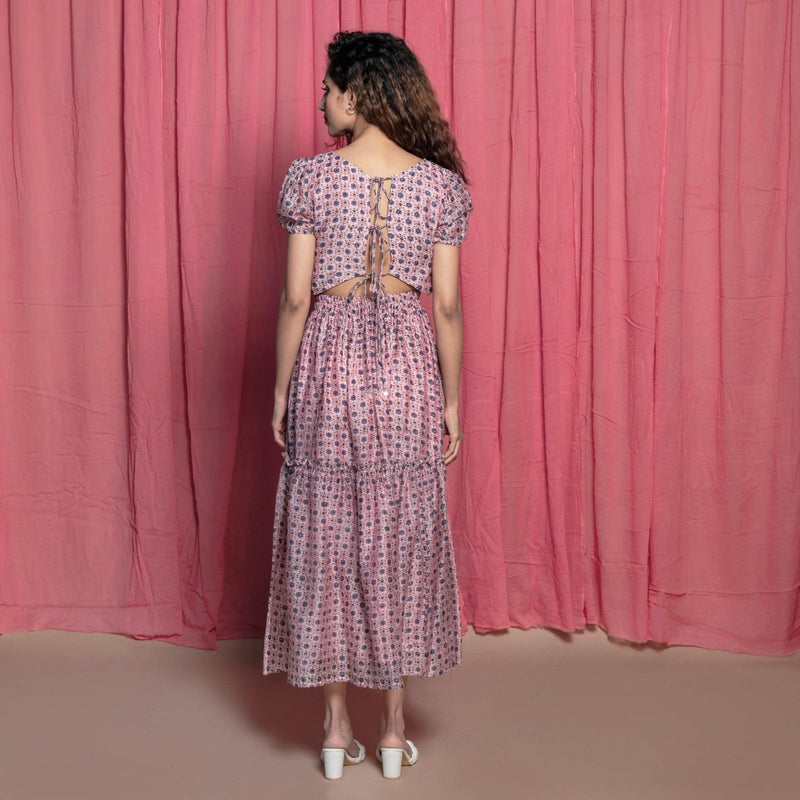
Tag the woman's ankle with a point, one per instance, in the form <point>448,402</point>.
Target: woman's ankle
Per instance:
<point>338,738</point>
<point>392,740</point>
<point>392,726</point>
<point>334,728</point>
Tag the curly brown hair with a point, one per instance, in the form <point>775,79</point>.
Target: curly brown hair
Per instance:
<point>393,93</point>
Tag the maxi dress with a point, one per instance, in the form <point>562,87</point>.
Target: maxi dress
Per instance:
<point>363,586</point>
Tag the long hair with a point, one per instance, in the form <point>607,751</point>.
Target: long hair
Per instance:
<point>393,93</point>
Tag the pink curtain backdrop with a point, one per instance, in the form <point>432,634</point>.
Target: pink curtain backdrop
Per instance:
<point>631,288</point>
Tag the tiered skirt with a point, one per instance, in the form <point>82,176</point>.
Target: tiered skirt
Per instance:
<point>363,586</point>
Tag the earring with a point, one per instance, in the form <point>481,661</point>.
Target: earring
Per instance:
<point>349,109</point>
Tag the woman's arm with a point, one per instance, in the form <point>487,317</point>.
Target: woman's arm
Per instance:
<point>295,302</point>
<point>449,338</point>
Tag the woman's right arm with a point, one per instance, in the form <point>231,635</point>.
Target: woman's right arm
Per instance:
<point>295,302</point>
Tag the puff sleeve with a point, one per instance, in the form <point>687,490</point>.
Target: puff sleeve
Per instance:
<point>296,199</point>
<point>455,211</point>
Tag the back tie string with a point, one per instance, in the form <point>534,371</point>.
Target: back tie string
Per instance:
<point>377,250</point>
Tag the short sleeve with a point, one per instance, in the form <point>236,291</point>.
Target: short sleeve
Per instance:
<point>296,199</point>
<point>456,208</point>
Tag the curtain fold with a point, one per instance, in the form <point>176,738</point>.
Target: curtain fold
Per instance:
<point>625,119</point>
<point>630,284</point>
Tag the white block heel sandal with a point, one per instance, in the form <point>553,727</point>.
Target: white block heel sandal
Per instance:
<point>393,758</point>
<point>334,759</point>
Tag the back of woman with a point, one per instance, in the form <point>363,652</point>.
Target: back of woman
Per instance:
<point>364,586</point>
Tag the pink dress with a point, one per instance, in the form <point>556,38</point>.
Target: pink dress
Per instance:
<point>363,585</point>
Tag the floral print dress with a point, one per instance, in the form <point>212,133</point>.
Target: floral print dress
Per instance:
<point>363,586</point>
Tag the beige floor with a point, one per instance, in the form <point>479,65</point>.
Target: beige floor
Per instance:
<point>530,714</point>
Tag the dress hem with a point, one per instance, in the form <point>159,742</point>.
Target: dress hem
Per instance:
<point>359,683</point>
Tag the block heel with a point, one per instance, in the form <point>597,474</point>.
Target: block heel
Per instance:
<point>334,759</point>
<point>392,761</point>
<point>394,758</point>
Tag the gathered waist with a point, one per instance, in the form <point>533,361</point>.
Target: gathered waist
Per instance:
<point>384,311</point>
<point>393,298</point>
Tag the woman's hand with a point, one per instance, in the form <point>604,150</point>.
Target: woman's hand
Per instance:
<point>279,420</point>
<point>452,426</point>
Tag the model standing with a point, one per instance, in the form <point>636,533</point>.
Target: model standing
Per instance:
<point>363,586</point>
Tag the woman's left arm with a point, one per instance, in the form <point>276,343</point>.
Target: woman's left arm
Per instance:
<point>449,339</point>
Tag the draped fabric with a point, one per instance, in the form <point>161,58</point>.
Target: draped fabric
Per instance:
<point>631,292</point>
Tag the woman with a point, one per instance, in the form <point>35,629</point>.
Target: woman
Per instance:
<point>363,583</point>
